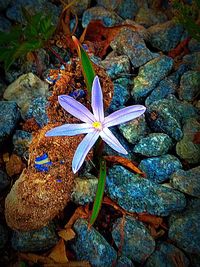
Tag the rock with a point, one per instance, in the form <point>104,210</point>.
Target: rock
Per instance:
<point>134,130</point>
<point>116,66</point>
<point>155,144</point>
<point>187,181</point>
<point>186,148</point>
<point>21,142</point>
<point>194,45</point>
<point>124,261</point>
<point>39,240</point>
<point>138,243</point>
<point>37,110</point>
<point>24,90</point>
<point>148,17</point>
<point>184,231</point>
<point>165,88</point>
<point>128,42</point>
<point>3,236</point>
<point>10,115</point>
<point>165,36</point>
<point>176,76</point>
<point>120,96</point>
<point>124,8</point>
<point>150,75</point>
<point>192,60</point>
<point>4,181</point>
<point>189,86</point>
<point>80,6</point>
<point>5,24</point>
<point>109,18</point>
<point>90,245</point>
<point>159,169</point>
<point>84,190</point>
<point>168,255</point>
<point>4,4</point>
<point>161,117</point>
<point>137,194</point>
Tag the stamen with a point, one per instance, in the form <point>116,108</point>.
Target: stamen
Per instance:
<point>97,125</point>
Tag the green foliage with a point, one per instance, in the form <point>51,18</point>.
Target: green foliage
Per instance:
<point>187,15</point>
<point>25,38</point>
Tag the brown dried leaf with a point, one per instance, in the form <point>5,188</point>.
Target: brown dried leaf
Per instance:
<point>67,234</point>
<point>80,212</point>
<point>58,254</point>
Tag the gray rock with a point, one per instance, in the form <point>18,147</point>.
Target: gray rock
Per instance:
<point>90,245</point>
<point>4,4</point>
<point>192,60</point>
<point>189,85</point>
<point>9,117</point>
<point>134,130</point>
<point>128,42</point>
<point>124,261</point>
<point>116,66</point>
<point>35,240</point>
<point>187,181</point>
<point>5,24</point>
<point>80,6</point>
<point>186,148</point>
<point>163,116</point>
<point>21,141</point>
<point>150,75</point>
<point>109,18</point>
<point>4,180</point>
<point>155,144</point>
<point>138,244</point>
<point>148,17</point>
<point>37,110</point>
<point>3,236</point>
<point>194,45</point>
<point>165,36</point>
<point>176,76</point>
<point>167,255</point>
<point>136,194</point>
<point>24,90</point>
<point>84,190</point>
<point>159,169</point>
<point>185,232</point>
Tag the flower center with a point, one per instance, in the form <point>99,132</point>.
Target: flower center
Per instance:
<point>97,125</point>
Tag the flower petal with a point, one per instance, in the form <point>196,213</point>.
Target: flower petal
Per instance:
<point>124,115</point>
<point>97,100</point>
<point>112,141</point>
<point>75,108</point>
<point>83,149</point>
<point>70,129</point>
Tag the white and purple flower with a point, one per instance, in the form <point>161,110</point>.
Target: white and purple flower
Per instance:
<point>94,125</point>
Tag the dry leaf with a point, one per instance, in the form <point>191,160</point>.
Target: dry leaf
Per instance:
<point>150,219</point>
<point>58,254</point>
<point>80,212</point>
<point>69,264</point>
<point>33,258</point>
<point>67,234</point>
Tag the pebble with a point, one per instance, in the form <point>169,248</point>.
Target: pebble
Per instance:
<point>150,75</point>
<point>165,36</point>
<point>116,66</point>
<point>10,115</point>
<point>4,180</point>
<point>189,85</point>
<point>128,42</point>
<point>187,181</point>
<point>155,144</point>
<point>148,17</point>
<point>167,255</point>
<point>186,148</point>
<point>21,141</point>
<point>3,236</point>
<point>176,76</point>
<point>194,45</point>
<point>4,4</point>
<point>84,190</point>
<point>80,6</point>
<point>5,24</point>
<point>108,18</point>
<point>124,262</point>
<point>159,169</point>
<point>161,117</point>
<point>192,60</point>
<point>91,246</point>
<point>24,90</point>
<point>138,244</point>
<point>137,194</point>
<point>35,240</point>
<point>134,130</point>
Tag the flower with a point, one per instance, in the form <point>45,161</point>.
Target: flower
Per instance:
<point>94,125</point>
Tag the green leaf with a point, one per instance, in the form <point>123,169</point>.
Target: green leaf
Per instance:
<point>13,35</point>
<point>99,193</point>
<point>86,64</point>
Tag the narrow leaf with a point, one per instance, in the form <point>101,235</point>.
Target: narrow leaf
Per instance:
<point>86,64</point>
<point>99,193</point>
